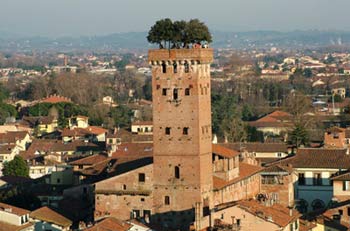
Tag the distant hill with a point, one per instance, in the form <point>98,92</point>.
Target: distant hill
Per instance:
<point>137,40</point>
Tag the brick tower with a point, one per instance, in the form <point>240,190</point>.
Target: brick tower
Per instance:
<point>182,135</point>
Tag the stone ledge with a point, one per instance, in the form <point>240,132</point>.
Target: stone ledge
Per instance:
<point>197,54</point>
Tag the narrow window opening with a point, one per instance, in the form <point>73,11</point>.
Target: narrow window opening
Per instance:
<point>177,172</point>
<point>187,67</point>
<point>167,200</point>
<point>187,91</point>
<point>164,91</point>
<point>158,86</point>
<point>175,93</point>
<point>163,67</point>
<point>185,131</point>
<point>167,130</point>
<point>142,177</point>
<point>175,67</point>
<point>238,222</point>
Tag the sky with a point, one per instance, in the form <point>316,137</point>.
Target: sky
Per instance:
<point>56,18</point>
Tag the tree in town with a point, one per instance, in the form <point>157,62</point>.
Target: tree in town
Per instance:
<point>299,135</point>
<point>16,167</point>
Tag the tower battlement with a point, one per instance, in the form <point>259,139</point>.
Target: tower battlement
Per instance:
<point>202,55</point>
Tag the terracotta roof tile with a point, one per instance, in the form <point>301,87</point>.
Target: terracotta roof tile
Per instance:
<point>47,214</point>
<point>55,99</point>
<point>90,160</point>
<point>223,151</point>
<point>276,213</point>
<point>277,168</point>
<point>319,158</point>
<point>245,171</point>
<point>258,147</point>
<point>12,137</point>
<point>138,123</point>
<point>13,209</point>
<point>342,177</point>
<point>6,148</point>
<point>109,224</point>
<point>133,150</point>
<point>96,130</point>
<point>45,146</point>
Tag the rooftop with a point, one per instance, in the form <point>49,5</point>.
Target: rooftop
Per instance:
<point>245,171</point>
<point>258,147</point>
<point>223,151</point>
<point>47,214</point>
<point>276,213</point>
<point>13,209</point>
<point>110,223</point>
<point>319,158</point>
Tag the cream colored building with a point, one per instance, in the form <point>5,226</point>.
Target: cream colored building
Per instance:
<point>14,218</point>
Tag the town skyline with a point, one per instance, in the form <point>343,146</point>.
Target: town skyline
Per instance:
<point>79,18</point>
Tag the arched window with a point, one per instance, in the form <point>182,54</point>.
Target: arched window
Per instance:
<point>177,172</point>
<point>175,94</point>
<point>187,67</point>
<point>175,67</point>
<point>163,67</point>
<point>167,200</point>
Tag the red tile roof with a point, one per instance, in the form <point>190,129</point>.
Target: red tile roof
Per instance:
<point>13,209</point>
<point>223,151</point>
<point>12,137</point>
<point>96,130</point>
<point>55,99</point>
<point>7,148</point>
<point>274,119</point>
<point>245,171</point>
<point>90,160</point>
<point>109,224</point>
<point>138,123</point>
<point>342,177</point>
<point>48,215</point>
<point>276,213</point>
<point>134,150</point>
<point>319,158</point>
<point>258,147</point>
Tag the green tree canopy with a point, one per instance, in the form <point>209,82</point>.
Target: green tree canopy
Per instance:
<point>161,32</point>
<point>299,135</point>
<point>16,167</point>
<point>177,34</point>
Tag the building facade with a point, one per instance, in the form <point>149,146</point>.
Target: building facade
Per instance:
<point>182,134</point>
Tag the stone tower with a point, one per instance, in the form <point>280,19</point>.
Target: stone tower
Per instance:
<point>182,135</point>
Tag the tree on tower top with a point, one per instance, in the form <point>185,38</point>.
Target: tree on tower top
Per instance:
<point>179,34</point>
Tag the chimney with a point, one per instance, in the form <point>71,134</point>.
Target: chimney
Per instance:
<point>111,150</point>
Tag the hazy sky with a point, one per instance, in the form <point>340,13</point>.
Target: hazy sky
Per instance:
<point>96,17</point>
